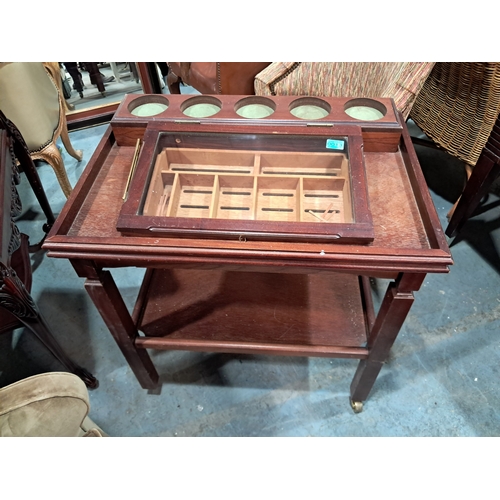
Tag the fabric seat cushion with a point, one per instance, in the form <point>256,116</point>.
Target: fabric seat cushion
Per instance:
<point>401,81</point>
<point>29,98</point>
<point>46,405</point>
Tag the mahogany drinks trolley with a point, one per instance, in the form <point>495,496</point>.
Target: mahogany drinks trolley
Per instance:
<point>260,222</point>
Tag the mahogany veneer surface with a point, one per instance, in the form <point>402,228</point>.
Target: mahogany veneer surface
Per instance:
<point>301,309</point>
<point>378,135</point>
<point>395,213</point>
<point>255,296</point>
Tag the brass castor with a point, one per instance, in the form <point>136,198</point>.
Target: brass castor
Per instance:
<point>357,406</point>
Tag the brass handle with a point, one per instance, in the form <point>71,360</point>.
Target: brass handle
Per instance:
<point>132,167</point>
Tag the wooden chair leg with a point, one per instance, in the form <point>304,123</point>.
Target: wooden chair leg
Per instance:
<point>78,153</point>
<point>14,297</point>
<point>468,171</point>
<point>135,72</point>
<point>53,69</point>
<point>483,175</point>
<point>173,83</point>
<point>53,157</point>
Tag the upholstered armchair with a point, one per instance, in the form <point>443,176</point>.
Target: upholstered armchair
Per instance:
<point>48,405</point>
<point>401,81</point>
<point>54,70</point>
<point>29,97</point>
<point>235,78</point>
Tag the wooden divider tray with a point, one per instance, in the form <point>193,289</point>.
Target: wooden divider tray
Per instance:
<point>250,185</point>
<point>218,184</point>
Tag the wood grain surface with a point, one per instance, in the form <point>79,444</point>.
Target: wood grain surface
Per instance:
<point>394,210</point>
<point>267,308</point>
<point>408,235</point>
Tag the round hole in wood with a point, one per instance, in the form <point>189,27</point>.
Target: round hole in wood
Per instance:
<point>310,108</point>
<point>365,109</point>
<point>148,105</point>
<point>255,107</point>
<point>201,106</point>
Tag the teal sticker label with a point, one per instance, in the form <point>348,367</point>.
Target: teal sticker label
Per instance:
<point>334,144</point>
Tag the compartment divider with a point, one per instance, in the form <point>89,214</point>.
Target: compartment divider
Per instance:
<point>164,200</point>
<point>301,199</point>
<point>156,188</point>
<point>174,196</point>
<point>256,164</point>
<point>297,189</point>
<point>254,199</point>
<point>195,169</point>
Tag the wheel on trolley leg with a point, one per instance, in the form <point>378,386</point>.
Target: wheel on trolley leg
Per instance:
<point>357,406</point>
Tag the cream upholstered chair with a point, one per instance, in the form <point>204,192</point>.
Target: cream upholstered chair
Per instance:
<point>47,405</point>
<point>55,71</point>
<point>400,80</point>
<point>29,98</point>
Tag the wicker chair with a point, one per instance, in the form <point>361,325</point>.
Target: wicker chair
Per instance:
<point>458,108</point>
<point>401,81</point>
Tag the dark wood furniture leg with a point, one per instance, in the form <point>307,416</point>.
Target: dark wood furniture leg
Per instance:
<point>104,293</point>
<point>35,183</point>
<point>17,307</point>
<point>135,73</point>
<point>173,83</point>
<point>29,169</point>
<point>486,170</point>
<point>483,175</point>
<point>15,298</point>
<point>392,314</point>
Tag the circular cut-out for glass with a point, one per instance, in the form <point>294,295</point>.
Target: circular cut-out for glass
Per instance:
<point>148,105</point>
<point>365,109</point>
<point>255,107</point>
<point>201,110</point>
<point>255,111</point>
<point>150,109</point>
<point>309,112</point>
<point>310,108</point>
<point>364,113</point>
<point>201,107</point>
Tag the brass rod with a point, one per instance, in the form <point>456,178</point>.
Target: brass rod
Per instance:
<point>132,167</point>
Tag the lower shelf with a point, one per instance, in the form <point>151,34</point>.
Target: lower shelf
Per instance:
<point>270,313</point>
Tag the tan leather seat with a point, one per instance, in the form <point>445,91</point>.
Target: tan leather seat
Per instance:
<point>233,78</point>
